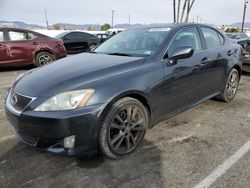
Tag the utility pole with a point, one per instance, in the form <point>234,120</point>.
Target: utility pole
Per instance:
<point>244,15</point>
<point>46,19</point>
<point>129,20</point>
<point>113,14</point>
<point>197,19</point>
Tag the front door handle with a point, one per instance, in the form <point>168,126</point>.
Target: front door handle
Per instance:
<point>229,53</point>
<point>35,43</point>
<point>204,61</point>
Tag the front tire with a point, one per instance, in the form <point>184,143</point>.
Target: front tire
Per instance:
<point>123,128</point>
<point>231,87</point>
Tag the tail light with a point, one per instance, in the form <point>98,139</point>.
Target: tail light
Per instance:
<point>60,42</point>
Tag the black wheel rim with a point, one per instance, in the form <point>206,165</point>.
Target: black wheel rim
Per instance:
<point>126,130</point>
<point>44,59</point>
<point>232,85</point>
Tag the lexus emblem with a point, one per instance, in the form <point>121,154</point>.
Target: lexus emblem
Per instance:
<point>14,100</point>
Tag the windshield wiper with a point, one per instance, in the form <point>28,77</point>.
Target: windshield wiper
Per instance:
<point>119,54</point>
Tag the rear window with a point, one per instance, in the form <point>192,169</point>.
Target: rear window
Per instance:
<point>1,36</point>
<point>211,37</point>
<point>15,36</point>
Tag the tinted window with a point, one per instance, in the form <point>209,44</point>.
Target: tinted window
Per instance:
<point>30,36</point>
<point>105,36</point>
<point>1,36</point>
<point>78,35</point>
<point>186,37</point>
<point>211,37</point>
<point>99,36</point>
<point>14,36</point>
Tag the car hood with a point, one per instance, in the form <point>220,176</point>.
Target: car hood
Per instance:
<point>72,73</point>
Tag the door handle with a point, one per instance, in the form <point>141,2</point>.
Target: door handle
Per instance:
<point>204,61</point>
<point>229,53</point>
<point>35,43</point>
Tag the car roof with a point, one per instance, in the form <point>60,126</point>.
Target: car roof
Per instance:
<point>174,25</point>
<point>20,29</point>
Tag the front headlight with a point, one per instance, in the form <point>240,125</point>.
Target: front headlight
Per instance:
<point>66,101</point>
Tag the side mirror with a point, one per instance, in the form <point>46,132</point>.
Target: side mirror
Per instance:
<point>181,52</point>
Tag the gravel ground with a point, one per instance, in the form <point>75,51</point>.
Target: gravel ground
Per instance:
<point>179,152</point>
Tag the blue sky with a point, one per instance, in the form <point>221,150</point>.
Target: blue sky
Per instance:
<point>97,11</point>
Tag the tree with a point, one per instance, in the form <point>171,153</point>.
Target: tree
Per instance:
<point>178,11</point>
<point>105,27</point>
<point>174,10</point>
<point>232,30</point>
<point>91,29</point>
<point>56,27</point>
<point>187,6</point>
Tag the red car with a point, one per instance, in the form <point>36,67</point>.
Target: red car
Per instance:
<point>20,47</point>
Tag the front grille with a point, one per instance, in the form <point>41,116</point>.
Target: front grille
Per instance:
<point>18,101</point>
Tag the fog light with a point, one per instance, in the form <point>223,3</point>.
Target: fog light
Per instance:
<point>69,142</point>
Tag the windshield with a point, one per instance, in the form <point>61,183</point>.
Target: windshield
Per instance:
<point>139,42</point>
<point>61,35</point>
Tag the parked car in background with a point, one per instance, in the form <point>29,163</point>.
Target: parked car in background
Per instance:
<point>103,37</point>
<point>114,31</point>
<point>243,40</point>
<point>109,98</point>
<point>20,47</point>
<point>237,36</point>
<point>77,41</point>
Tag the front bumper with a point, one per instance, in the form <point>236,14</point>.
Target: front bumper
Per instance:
<point>46,130</point>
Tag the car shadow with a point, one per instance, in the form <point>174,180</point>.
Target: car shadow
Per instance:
<point>6,69</point>
<point>24,166</point>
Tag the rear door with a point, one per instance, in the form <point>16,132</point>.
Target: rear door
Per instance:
<point>4,57</point>
<point>218,55</point>
<point>21,47</point>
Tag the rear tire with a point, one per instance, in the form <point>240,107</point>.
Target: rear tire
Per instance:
<point>123,128</point>
<point>231,87</point>
<point>44,58</point>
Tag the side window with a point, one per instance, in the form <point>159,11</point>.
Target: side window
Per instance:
<point>104,36</point>
<point>211,37</point>
<point>1,36</point>
<point>186,37</point>
<point>99,36</point>
<point>222,40</point>
<point>15,36</point>
<point>30,36</point>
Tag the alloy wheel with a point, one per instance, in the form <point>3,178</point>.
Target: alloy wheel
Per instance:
<point>126,130</point>
<point>44,59</point>
<point>232,85</point>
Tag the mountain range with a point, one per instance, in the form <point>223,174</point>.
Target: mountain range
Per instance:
<point>68,26</point>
